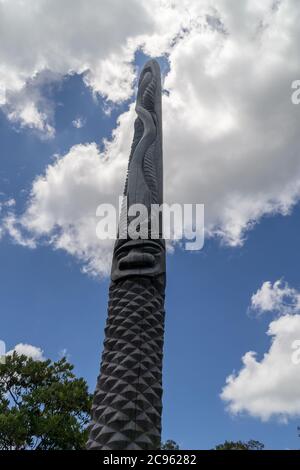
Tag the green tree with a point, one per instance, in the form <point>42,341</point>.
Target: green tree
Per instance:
<point>169,445</point>
<point>43,405</point>
<point>240,445</point>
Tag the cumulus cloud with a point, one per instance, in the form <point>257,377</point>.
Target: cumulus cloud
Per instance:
<point>30,106</point>
<point>230,128</point>
<point>229,95</point>
<point>62,206</point>
<point>270,387</point>
<point>36,353</point>
<point>10,202</point>
<point>78,123</point>
<point>96,38</point>
<point>278,297</point>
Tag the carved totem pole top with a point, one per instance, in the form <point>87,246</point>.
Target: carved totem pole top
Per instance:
<point>144,183</point>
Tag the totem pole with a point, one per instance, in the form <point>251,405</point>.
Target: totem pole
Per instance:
<point>127,404</point>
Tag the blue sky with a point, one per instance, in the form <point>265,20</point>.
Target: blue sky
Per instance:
<point>231,141</point>
<point>47,301</point>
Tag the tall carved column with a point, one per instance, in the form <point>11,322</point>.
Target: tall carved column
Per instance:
<point>127,405</point>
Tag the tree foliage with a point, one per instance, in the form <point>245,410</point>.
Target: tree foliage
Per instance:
<point>42,405</point>
<point>169,445</point>
<point>240,445</point>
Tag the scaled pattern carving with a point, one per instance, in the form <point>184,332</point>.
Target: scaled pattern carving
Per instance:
<point>127,402</point>
<point>127,405</point>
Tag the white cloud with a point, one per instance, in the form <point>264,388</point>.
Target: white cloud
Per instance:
<point>78,122</point>
<point>7,203</point>
<point>93,38</point>
<point>270,387</point>
<point>230,130</point>
<point>63,201</point>
<point>10,202</point>
<point>278,297</point>
<point>36,353</point>
<point>14,228</point>
<point>29,106</point>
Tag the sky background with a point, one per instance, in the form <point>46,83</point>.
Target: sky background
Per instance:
<point>231,142</point>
